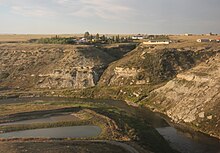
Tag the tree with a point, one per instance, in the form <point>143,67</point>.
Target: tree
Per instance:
<point>113,38</point>
<point>97,37</point>
<point>117,39</point>
<point>103,38</point>
<point>86,35</point>
<point>90,37</point>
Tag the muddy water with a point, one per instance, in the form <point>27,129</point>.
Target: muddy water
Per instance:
<point>60,132</point>
<point>184,141</point>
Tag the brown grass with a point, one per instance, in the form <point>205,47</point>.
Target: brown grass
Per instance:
<point>26,37</point>
<point>180,41</point>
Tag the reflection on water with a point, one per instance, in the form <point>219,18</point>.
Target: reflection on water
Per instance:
<point>60,132</point>
<point>186,142</point>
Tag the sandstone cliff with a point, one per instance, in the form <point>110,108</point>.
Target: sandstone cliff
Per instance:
<point>193,97</point>
<point>152,65</point>
<point>51,66</point>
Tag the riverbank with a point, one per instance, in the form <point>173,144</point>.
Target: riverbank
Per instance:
<point>118,120</point>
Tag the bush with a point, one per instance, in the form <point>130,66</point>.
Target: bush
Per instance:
<point>56,40</point>
<point>4,75</point>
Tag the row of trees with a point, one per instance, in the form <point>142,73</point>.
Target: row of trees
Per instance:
<point>88,38</point>
<point>104,39</point>
<point>56,40</point>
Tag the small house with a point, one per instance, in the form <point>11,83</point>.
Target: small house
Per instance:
<point>188,34</point>
<point>138,37</point>
<point>82,40</point>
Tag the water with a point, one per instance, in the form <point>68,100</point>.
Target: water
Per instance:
<point>60,132</point>
<point>184,141</point>
<point>189,142</point>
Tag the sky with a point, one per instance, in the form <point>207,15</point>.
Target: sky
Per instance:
<point>109,16</point>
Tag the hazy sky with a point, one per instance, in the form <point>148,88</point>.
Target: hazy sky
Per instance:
<point>110,16</point>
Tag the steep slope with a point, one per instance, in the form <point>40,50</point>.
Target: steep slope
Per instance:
<point>51,66</point>
<point>152,65</point>
<point>193,97</point>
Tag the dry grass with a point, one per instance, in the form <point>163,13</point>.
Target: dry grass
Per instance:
<point>189,42</point>
<point>59,147</point>
<point>23,37</point>
<point>191,38</point>
<point>26,37</point>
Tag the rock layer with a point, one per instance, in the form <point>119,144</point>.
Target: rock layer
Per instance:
<point>193,97</point>
<point>149,65</point>
<point>51,66</point>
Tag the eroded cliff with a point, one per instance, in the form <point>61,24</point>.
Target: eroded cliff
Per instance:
<point>152,65</point>
<point>193,97</point>
<point>51,66</point>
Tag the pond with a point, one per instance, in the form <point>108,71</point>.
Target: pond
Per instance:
<point>59,132</point>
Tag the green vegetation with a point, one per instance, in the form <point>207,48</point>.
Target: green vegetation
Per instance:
<point>133,94</point>
<point>158,37</point>
<point>12,128</point>
<point>90,39</point>
<point>56,40</point>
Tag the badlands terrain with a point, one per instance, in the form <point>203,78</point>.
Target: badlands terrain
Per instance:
<point>181,81</point>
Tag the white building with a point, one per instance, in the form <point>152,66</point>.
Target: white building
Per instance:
<point>82,40</point>
<point>188,34</point>
<point>138,37</point>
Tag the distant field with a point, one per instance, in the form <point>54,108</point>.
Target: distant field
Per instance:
<point>190,41</point>
<point>23,37</point>
<point>192,38</point>
<point>26,37</point>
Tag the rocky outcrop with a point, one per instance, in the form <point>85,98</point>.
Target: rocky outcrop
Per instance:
<point>193,97</point>
<point>149,65</point>
<point>51,66</point>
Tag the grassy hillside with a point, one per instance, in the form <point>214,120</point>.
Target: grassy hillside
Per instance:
<point>153,65</point>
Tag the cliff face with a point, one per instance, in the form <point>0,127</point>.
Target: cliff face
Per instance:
<point>193,97</point>
<point>192,94</point>
<point>149,65</point>
<point>51,66</point>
